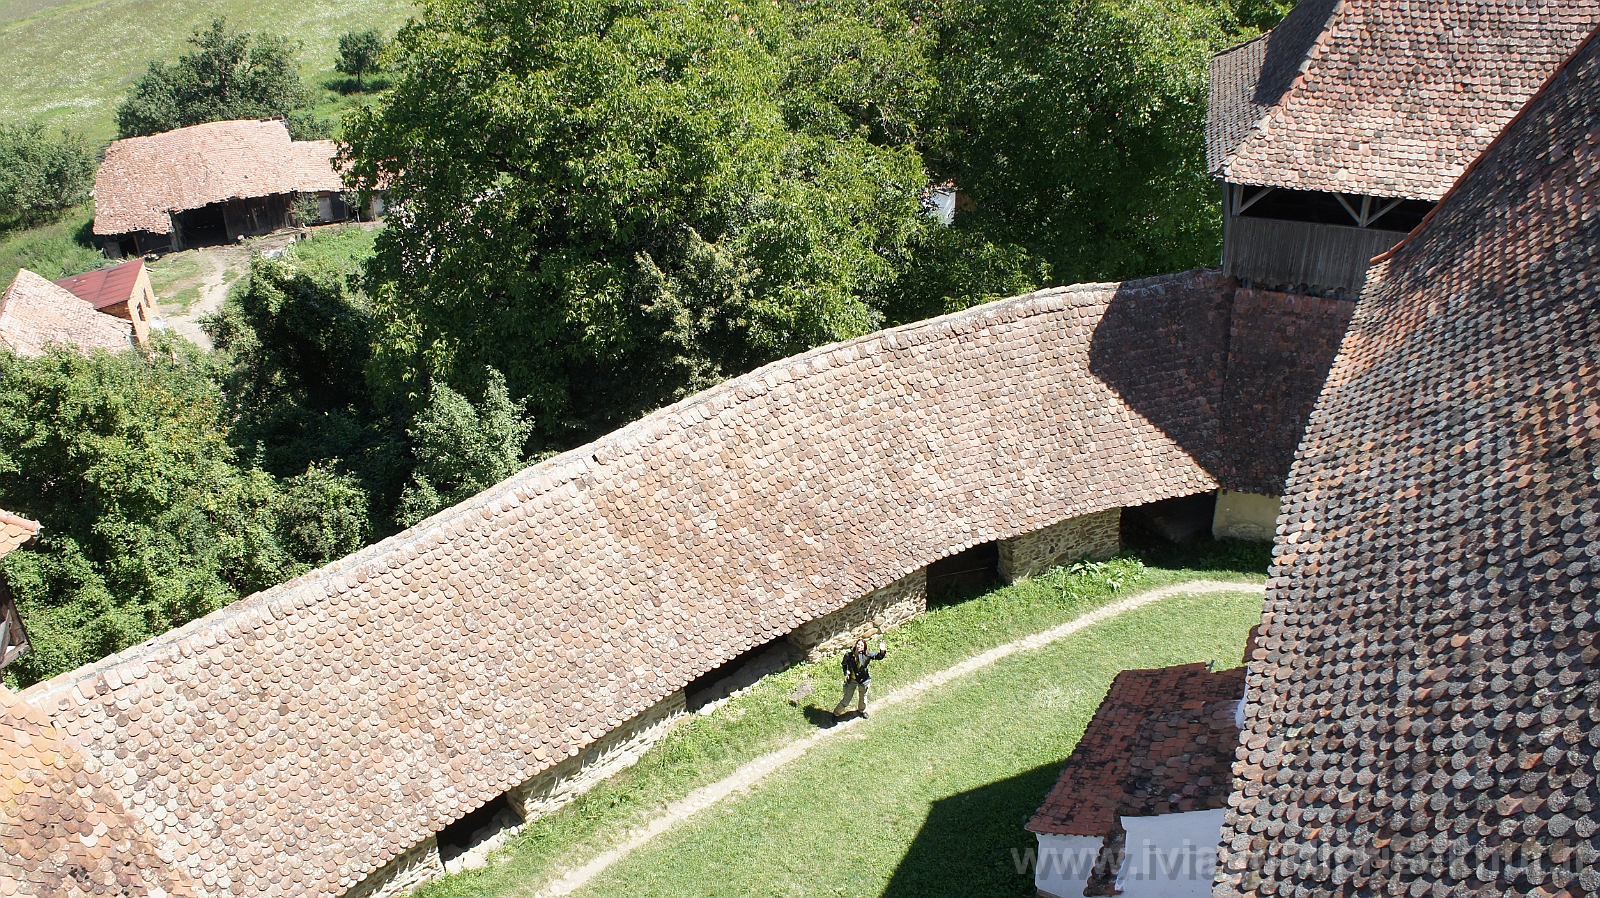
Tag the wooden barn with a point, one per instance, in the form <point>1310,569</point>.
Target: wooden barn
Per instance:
<point>210,184</point>
<point>1336,132</point>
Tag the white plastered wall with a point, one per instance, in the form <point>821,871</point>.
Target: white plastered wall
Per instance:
<point>1064,862</point>
<point>1171,856</point>
<point>1249,516</point>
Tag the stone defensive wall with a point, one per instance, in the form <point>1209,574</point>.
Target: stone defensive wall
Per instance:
<point>312,739</point>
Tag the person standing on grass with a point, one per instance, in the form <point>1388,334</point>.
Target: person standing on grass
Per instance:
<point>858,676</point>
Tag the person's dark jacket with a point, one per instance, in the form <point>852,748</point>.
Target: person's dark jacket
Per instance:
<point>857,667</point>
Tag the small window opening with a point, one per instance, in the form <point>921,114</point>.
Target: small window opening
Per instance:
<point>965,574</point>
<point>740,673</point>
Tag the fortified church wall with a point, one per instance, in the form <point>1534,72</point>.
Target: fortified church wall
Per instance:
<point>540,634</point>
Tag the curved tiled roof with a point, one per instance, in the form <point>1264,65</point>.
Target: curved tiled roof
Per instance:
<point>296,740</point>
<point>145,178</point>
<point>1390,99</point>
<point>36,314</point>
<point>1422,714</point>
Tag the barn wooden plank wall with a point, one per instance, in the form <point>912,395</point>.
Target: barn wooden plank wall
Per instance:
<point>1293,253</point>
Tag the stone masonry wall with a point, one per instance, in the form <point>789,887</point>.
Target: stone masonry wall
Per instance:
<point>872,614</point>
<point>1097,535</point>
<point>403,874</point>
<point>616,751</point>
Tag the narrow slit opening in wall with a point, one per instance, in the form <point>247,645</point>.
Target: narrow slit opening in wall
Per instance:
<point>476,828</point>
<point>1180,520</point>
<point>966,574</point>
<point>740,672</point>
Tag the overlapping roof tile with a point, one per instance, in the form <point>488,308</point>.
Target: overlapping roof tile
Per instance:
<point>145,178</point>
<point>300,738</point>
<point>14,531</point>
<point>63,832</point>
<point>36,314</point>
<point>1422,713</point>
<point>1160,743</point>
<point>1389,99</point>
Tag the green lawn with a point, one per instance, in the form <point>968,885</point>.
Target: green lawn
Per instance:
<point>930,798</point>
<point>53,250</point>
<point>707,748</point>
<point>70,62</point>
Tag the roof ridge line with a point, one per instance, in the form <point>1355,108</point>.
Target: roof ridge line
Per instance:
<point>1312,53</point>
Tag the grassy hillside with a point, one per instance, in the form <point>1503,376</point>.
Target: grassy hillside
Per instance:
<point>70,62</point>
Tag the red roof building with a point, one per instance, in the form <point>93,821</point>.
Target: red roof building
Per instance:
<point>1152,772</point>
<point>122,291</point>
<point>36,314</point>
<point>1334,133</point>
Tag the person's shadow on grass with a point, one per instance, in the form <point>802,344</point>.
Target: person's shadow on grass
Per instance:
<point>821,718</point>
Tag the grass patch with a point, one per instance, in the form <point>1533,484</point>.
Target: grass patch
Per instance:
<point>344,248</point>
<point>55,250</point>
<point>931,798</point>
<point>176,279</point>
<point>704,749</point>
<point>69,63</point>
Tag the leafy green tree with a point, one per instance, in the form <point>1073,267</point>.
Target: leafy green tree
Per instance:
<point>1078,131</point>
<point>359,53</point>
<point>658,194</point>
<point>1261,15</point>
<point>462,449</point>
<point>294,340</point>
<point>150,518</point>
<point>228,75</point>
<point>41,175</point>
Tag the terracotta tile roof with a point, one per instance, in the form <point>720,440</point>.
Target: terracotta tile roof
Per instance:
<point>348,714</point>
<point>14,531</point>
<point>1160,743</point>
<point>1250,79</point>
<point>105,286</point>
<point>62,829</point>
<point>1387,100</point>
<point>144,178</point>
<point>1422,716</point>
<point>35,314</point>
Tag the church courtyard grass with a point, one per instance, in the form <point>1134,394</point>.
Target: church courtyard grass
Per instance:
<point>928,797</point>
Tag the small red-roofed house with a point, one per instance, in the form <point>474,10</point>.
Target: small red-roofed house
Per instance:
<point>122,291</point>
<point>1138,808</point>
<point>36,314</point>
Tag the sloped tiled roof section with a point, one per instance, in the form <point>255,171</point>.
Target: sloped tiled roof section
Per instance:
<point>1390,99</point>
<point>298,739</point>
<point>1422,712</point>
<point>36,314</point>
<point>62,829</point>
<point>145,178</point>
<point>1251,78</point>
<point>15,530</point>
<point>105,286</point>
<point>1160,743</point>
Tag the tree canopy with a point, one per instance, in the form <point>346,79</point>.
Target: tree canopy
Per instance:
<point>41,174</point>
<point>1077,130</point>
<point>229,75</point>
<point>359,54</point>
<point>657,195</point>
<point>150,519</point>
